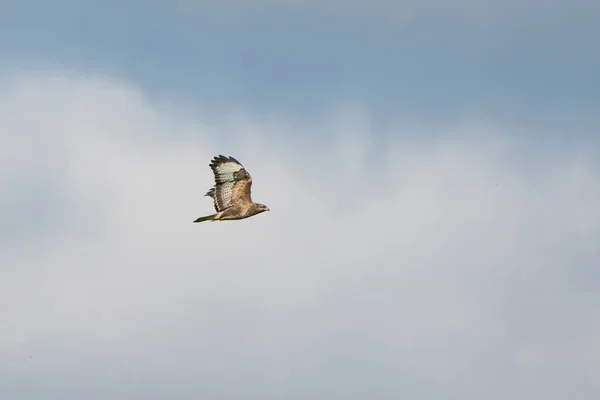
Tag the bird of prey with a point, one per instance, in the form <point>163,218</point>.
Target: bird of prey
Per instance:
<point>231,192</point>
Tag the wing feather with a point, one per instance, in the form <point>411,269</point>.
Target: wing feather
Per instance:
<point>232,183</point>
<point>211,194</point>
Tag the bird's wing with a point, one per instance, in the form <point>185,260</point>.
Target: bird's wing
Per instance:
<point>211,194</point>
<point>232,182</point>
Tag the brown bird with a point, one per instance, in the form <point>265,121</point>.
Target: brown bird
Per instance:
<point>231,193</point>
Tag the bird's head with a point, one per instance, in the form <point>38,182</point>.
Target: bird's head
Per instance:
<point>261,208</point>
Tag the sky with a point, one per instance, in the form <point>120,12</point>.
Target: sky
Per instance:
<point>432,170</point>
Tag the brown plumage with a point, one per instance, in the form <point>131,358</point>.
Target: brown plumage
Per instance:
<point>231,192</point>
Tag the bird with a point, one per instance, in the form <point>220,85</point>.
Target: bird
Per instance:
<point>231,191</point>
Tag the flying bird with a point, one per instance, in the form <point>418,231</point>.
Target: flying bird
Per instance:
<point>231,192</point>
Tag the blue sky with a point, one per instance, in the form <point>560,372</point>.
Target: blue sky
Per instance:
<point>433,171</point>
<point>517,61</point>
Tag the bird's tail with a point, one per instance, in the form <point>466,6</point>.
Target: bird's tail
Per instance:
<point>207,218</point>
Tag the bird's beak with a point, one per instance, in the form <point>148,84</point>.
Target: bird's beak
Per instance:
<point>268,209</point>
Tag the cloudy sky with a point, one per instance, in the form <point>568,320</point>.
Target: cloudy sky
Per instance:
<point>432,170</point>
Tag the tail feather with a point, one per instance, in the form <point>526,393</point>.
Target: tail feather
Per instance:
<point>207,218</point>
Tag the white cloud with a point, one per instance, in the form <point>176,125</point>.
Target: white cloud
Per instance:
<point>439,266</point>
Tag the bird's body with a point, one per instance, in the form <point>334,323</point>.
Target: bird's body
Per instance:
<point>231,192</point>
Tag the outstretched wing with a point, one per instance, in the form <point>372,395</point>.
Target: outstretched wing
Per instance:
<point>232,183</point>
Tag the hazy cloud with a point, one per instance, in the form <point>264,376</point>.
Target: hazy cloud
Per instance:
<point>456,267</point>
